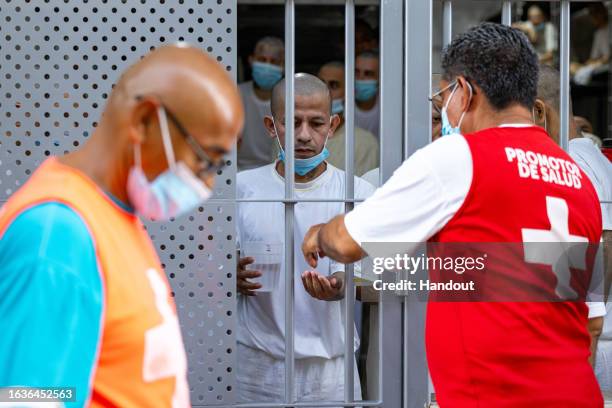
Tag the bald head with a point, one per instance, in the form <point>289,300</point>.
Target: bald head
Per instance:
<point>306,85</point>
<point>186,81</point>
<point>179,91</point>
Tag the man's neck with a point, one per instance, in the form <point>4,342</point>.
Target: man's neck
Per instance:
<point>366,105</point>
<point>311,175</point>
<point>512,115</point>
<point>261,94</point>
<point>102,163</point>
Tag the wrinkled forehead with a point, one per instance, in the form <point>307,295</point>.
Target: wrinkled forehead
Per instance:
<point>310,107</point>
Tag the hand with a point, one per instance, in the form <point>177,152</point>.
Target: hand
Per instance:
<point>324,287</point>
<point>244,286</point>
<point>310,246</point>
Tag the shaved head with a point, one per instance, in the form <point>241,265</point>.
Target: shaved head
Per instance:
<point>306,85</point>
<point>188,82</point>
<point>197,96</point>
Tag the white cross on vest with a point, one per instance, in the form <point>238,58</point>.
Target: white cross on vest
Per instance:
<point>556,250</point>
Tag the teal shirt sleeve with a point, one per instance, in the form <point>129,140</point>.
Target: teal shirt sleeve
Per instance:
<point>51,302</point>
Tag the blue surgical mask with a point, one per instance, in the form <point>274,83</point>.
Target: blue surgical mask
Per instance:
<point>174,192</point>
<point>447,128</point>
<point>303,166</point>
<point>365,89</point>
<point>337,106</point>
<point>266,75</point>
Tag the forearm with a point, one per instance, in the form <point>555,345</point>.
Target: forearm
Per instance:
<point>595,327</point>
<point>336,242</point>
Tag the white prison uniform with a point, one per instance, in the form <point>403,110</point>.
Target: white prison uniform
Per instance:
<point>599,170</point>
<point>256,146</point>
<point>260,378</point>
<point>319,327</point>
<point>601,43</point>
<point>369,119</point>
<point>373,177</point>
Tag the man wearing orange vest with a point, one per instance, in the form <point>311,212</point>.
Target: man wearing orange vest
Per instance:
<point>84,301</point>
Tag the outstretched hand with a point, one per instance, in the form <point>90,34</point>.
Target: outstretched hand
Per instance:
<point>324,287</point>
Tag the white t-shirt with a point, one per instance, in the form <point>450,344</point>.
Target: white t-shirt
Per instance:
<point>601,43</point>
<point>599,170</point>
<point>423,194</point>
<point>319,327</point>
<point>257,147</point>
<point>373,177</point>
<point>370,119</point>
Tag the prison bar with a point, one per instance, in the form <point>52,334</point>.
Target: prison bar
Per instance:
<point>349,194</point>
<point>447,21</point>
<point>507,12</point>
<point>564,62</point>
<point>289,195</point>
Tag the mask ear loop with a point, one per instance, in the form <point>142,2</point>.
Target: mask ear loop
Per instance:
<point>469,102</point>
<point>137,156</point>
<point>165,131</point>
<point>277,138</point>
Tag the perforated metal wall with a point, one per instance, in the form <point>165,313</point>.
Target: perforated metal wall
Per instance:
<point>58,61</point>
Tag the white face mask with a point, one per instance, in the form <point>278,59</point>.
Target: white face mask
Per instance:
<point>174,192</point>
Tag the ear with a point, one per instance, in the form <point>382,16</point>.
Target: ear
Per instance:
<point>467,94</point>
<point>335,122</point>
<point>539,112</point>
<point>143,113</point>
<point>269,125</point>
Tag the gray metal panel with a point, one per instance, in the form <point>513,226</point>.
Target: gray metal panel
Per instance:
<point>59,61</point>
<point>417,134</point>
<point>391,120</point>
<point>289,193</point>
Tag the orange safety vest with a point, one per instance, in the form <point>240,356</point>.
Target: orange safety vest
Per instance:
<point>141,358</point>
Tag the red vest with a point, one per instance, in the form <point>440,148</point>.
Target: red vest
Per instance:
<point>516,354</point>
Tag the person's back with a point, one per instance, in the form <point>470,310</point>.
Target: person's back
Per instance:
<point>479,351</point>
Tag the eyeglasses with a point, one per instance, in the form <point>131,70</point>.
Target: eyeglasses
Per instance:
<point>436,98</point>
<point>206,164</point>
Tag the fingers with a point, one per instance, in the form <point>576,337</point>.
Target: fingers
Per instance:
<point>312,259</point>
<point>244,286</point>
<point>247,288</point>
<point>248,274</point>
<point>242,262</point>
<point>319,286</point>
